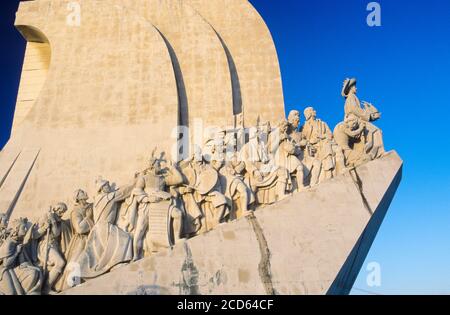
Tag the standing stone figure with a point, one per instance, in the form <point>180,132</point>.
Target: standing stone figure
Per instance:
<point>231,176</point>
<point>368,114</point>
<point>107,244</point>
<point>283,149</point>
<point>304,151</point>
<point>139,208</point>
<point>82,222</point>
<point>18,275</point>
<point>193,214</point>
<point>60,210</point>
<point>48,234</point>
<point>317,133</point>
<point>202,181</point>
<point>135,216</point>
<point>268,181</point>
<point>235,189</point>
<point>158,181</point>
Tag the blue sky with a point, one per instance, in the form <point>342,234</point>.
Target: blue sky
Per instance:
<point>403,68</point>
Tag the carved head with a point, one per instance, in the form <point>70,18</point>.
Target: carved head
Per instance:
<point>156,162</point>
<point>283,126</point>
<point>349,87</point>
<point>140,183</point>
<point>294,119</point>
<point>310,113</point>
<point>19,228</point>
<point>60,209</point>
<point>103,186</point>
<point>80,196</point>
<point>352,122</point>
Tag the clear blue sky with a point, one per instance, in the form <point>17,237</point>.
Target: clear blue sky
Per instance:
<point>403,68</point>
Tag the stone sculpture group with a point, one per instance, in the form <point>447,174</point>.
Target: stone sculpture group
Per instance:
<point>170,201</point>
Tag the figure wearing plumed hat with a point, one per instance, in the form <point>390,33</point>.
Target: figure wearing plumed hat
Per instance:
<point>373,145</point>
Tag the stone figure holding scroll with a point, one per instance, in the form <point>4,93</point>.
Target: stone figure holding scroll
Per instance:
<point>107,244</point>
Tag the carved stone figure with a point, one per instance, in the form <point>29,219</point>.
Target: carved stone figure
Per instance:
<point>82,222</point>
<point>135,216</point>
<point>231,183</point>
<point>18,276</point>
<point>267,180</point>
<point>240,197</point>
<point>107,244</point>
<point>348,135</point>
<point>318,134</point>
<point>159,180</point>
<point>304,151</point>
<point>138,213</point>
<point>202,181</point>
<point>48,235</point>
<point>283,149</point>
<point>368,114</point>
<point>63,219</point>
<point>193,213</point>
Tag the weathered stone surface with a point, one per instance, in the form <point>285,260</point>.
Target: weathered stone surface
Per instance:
<point>120,83</point>
<point>304,244</point>
<point>109,98</point>
<point>257,88</point>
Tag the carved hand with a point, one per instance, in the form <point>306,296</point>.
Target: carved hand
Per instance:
<point>258,176</point>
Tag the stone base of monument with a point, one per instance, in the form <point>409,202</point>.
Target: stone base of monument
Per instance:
<point>313,242</point>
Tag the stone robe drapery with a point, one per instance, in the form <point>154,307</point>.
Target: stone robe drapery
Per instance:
<point>82,222</point>
<point>353,108</point>
<point>257,159</point>
<point>319,135</point>
<point>107,244</point>
<point>18,276</point>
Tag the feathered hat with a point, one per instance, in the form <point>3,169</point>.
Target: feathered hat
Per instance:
<point>348,83</point>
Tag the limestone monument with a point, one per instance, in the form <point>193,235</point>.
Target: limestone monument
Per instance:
<point>151,154</point>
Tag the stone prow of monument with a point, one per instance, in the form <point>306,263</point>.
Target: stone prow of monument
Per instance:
<point>313,242</point>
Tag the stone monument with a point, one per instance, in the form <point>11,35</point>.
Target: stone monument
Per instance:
<point>150,144</point>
